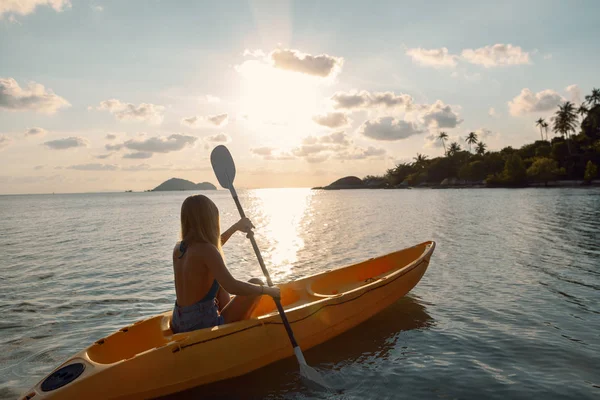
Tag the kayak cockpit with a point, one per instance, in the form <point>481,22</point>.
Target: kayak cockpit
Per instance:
<point>132,340</point>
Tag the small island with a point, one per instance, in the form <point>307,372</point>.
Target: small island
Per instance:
<point>183,184</point>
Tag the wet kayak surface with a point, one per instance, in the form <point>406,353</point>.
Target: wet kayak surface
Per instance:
<point>508,307</point>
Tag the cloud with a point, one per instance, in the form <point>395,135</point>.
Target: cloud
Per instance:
<point>210,120</point>
<point>130,112</point>
<point>336,138</point>
<point>270,153</point>
<point>364,99</point>
<point>322,65</point>
<point>24,7</point>
<point>103,156</point>
<point>111,136</point>
<point>529,102</point>
<point>66,143</point>
<point>160,144</point>
<point>440,115</point>
<point>34,97</point>
<point>113,147</point>
<point>258,53</point>
<point>218,138</point>
<point>492,112</point>
<point>332,119</point>
<point>483,133</point>
<point>39,167</point>
<point>138,155</point>
<point>496,55</point>
<point>94,167</point>
<point>437,58</point>
<point>212,99</point>
<point>309,149</point>
<point>389,128</point>
<point>361,154</point>
<point>39,132</point>
<point>5,141</point>
<point>97,8</point>
<point>574,93</point>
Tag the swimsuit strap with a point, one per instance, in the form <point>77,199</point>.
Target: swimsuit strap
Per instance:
<point>182,248</point>
<point>212,292</point>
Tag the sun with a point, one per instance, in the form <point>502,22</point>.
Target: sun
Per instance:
<point>271,96</point>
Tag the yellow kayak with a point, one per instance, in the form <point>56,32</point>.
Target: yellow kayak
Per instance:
<point>146,359</point>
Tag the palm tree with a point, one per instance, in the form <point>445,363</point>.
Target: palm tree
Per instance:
<point>471,139</point>
<point>454,148</point>
<point>545,126</point>
<point>565,121</point>
<point>540,122</point>
<point>480,149</point>
<point>420,160</point>
<point>594,98</point>
<point>582,110</point>
<point>443,136</point>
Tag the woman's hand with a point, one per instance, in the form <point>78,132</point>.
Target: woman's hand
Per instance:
<point>272,291</point>
<point>244,225</point>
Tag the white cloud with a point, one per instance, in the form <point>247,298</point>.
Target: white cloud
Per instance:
<point>332,119</point>
<point>484,133</point>
<point>66,143</point>
<point>113,147</point>
<point>130,112</point>
<point>94,167</point>
<point>437,58</point>
<point>160,144</point>
<point>574,92</point>
<point>389,128</point>
<point>5,141</point>
<point>24,7</point>
<point>322,65</point>
<point>212,99</point>
<point>492,112</point>
<point>529,102</point>
<point>440,115</point>
<point>39,132</point>
<point>97,8</point>
<point>496,55</point>
<point>34,97</point>
<point>138,155</point>
<point>258,53</point>
<point>209,120</point>
<point>270,153</point>
<point>111,136</point>
<point>358,153</point>
<point>218,138</point>
<point>364,99</point>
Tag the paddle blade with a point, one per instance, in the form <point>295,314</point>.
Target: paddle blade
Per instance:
<point>314,379</point>
<point>223,165</point>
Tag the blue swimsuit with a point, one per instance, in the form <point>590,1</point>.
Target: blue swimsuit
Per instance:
<point>202,314</point>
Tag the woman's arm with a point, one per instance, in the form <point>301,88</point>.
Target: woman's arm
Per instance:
<point>213,260</point>
<point>243,225</point>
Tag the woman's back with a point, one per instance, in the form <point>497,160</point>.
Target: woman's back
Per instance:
<point>193,279</point>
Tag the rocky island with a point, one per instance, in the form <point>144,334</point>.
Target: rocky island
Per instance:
<point>182,184</point>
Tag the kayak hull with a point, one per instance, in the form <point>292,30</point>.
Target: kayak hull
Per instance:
<point>146,359</point>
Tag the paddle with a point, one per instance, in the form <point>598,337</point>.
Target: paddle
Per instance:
<point>224,168</point>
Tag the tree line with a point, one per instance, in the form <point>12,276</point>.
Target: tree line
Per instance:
<point>573,153</point>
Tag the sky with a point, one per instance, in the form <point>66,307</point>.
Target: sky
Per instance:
<point>105,95</point>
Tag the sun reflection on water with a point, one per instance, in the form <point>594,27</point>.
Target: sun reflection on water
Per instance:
<point>281,213</point>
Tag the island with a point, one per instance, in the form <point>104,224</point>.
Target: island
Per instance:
<point>182,184</point>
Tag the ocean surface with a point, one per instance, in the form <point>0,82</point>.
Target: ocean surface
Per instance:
<point>509,307</point>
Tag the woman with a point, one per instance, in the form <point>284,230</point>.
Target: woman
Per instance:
<point>202,281</point>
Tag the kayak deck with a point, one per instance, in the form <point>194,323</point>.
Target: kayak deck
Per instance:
<point>146,359</point>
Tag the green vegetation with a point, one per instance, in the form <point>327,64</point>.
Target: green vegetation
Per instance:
<point>572,154</point>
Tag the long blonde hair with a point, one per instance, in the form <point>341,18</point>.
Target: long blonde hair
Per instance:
<point>200,221</point>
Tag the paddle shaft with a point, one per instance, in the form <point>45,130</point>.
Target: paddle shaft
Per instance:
<point>286,323</point>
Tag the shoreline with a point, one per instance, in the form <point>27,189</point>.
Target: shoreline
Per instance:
<point>576,184</point>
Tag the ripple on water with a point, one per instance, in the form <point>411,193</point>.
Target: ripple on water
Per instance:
<point>507,309</point>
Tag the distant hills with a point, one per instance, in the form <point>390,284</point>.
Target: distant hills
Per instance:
<point>182,184</point>
<point>348,182</point>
